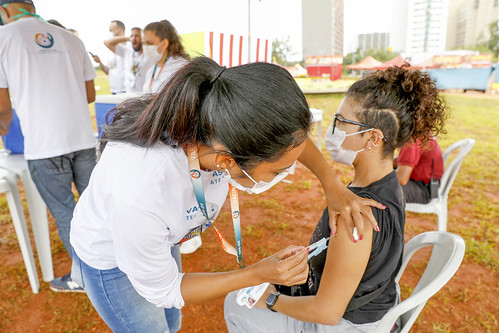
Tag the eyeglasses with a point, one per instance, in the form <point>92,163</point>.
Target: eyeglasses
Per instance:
<point>336,118</point>
<point>343,120</point>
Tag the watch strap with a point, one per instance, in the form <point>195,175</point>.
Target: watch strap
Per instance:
<point>271,300</point>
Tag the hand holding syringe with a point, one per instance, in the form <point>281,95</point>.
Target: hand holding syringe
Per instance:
<point>249,296</point>
<point>321,245</point>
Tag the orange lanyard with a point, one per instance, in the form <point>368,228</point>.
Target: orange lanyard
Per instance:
<point>197,184</point>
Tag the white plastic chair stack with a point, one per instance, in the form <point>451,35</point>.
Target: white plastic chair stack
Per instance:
<point>8,185</point>
<point>439,205</point>
<point>446,257</point>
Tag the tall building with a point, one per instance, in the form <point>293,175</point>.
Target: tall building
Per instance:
<point>322,27</point>
<point>419,26</point>
<point>469,21</point>
<point>374,41</point>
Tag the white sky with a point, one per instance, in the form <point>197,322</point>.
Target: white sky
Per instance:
<point>269,18</point>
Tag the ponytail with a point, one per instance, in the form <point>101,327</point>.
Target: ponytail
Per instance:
<point>243,108</point>
<point>404,104</point>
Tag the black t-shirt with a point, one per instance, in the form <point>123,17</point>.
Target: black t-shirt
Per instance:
<point>386,251</point>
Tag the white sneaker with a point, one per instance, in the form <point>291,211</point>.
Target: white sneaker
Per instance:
<point>191,245</point>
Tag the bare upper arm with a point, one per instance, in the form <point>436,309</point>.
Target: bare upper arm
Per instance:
<point>110,45</point>
<point>5,111</point>
<point>346,263</point>
<point>404,173</point>
<point>90,88</point>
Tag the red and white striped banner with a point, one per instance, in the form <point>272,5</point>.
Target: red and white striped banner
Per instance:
<point>232,50</point>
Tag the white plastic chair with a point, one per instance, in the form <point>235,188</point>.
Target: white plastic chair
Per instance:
<point>446,257</point>
<point>316,118</point>
<point>439,205</point>
<point>8,185</point>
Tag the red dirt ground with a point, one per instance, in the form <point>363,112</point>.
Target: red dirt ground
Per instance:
<point>284,215</point>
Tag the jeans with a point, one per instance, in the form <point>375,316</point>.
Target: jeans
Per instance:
<point>241,319</point>
<point>53,178</point>
<point>119,304</point>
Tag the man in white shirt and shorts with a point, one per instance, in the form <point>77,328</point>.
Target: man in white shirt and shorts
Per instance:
<point>50,79</point>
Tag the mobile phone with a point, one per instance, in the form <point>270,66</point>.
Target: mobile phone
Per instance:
<point>91,54</point>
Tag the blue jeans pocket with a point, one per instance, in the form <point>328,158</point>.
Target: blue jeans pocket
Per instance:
<point>51,166</point>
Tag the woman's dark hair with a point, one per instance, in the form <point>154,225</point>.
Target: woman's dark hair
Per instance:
<point>404,104</point>
<point>257,111</point>
<point>165,30</point>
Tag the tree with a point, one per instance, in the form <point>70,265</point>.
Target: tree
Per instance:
<point>493,43</point>
<point>379,54</point>
<point>281,50</point>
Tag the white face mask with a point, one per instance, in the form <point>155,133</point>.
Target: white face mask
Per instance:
<point>261,186</point>
<point>334,142</point>
<point>151,52</point>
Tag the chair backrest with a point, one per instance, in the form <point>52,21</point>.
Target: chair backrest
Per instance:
<point>446,257</point>
<point>453,166</point>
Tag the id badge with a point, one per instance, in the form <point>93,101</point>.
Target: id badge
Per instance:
<point>250,295</point>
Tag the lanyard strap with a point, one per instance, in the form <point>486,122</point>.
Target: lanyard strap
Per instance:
<point>154,72</point>
<point>197,184</point>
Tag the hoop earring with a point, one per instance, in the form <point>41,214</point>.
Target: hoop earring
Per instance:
<point>375,145</point>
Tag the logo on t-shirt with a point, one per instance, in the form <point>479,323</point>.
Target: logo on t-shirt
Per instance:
<point>44,40</point>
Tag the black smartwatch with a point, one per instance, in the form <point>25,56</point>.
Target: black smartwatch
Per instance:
<point>271,300</point>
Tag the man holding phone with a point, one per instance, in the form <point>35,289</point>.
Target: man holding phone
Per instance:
<point>115,69</point>
<point>51,98</point>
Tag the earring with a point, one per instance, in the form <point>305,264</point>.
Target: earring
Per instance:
<point>375,145</point>
<point>369,148</point>
<point>218,165</point>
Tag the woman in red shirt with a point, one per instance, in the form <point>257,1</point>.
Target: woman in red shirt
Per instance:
<point>416,166</point>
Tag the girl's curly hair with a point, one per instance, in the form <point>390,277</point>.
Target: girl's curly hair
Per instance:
<point>403,103</point>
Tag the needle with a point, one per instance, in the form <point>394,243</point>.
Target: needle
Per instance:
<point>318,243</point>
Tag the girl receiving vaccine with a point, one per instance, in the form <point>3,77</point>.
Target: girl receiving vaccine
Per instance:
<point>351,285</point>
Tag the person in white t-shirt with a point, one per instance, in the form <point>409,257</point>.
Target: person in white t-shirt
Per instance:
<point>162,45</point>
<point>115,69</point>
<point>164,173</point>
<point>135,60</point>
<point>49,76</point>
